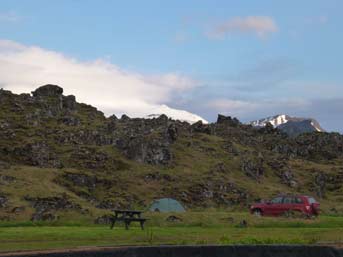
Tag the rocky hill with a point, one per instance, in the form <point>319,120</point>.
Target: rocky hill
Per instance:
<point>60,159</point>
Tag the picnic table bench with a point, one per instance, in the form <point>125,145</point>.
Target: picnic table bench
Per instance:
<point>127,216</point>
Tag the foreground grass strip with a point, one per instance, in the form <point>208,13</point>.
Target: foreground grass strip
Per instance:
<point>28,238</point>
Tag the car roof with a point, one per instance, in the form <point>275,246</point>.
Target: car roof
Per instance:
<point>290,195</point>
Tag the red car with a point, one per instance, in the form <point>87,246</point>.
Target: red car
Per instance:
<point>287,205</point>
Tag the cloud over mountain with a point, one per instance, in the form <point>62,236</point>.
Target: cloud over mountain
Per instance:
<point>98,82</point>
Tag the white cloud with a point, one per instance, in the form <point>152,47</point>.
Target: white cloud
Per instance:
<point>248,108</point>
<point>261,26</point>
<point>235,107</point>
<point>99,82</point>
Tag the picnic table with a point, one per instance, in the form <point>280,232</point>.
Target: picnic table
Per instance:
<point>128,216</point>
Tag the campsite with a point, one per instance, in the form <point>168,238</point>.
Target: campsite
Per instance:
<point>171,128</point>
<point>166,205</point>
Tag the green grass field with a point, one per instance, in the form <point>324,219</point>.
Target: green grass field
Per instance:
<point>195,228</point>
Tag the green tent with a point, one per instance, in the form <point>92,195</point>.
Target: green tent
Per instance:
<point>166,205</point>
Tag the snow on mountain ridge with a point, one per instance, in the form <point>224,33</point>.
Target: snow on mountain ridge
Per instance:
<point>276,121</point>
<point>316,127</point>
<point>175,114</point>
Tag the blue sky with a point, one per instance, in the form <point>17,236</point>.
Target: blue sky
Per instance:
<point>242,58</point>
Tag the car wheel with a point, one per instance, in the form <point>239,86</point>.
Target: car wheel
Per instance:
<point>290,214</point>
<point>287,214</point>
<point>257,213</point>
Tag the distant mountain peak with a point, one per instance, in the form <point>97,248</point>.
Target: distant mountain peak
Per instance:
<point>291,125</point>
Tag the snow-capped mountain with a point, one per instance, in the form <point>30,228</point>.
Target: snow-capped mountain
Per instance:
<point>175,114</point>
<point>276,121</point>
<point>290,125</point>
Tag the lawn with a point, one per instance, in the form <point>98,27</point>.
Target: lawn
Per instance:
<point>195,228</point>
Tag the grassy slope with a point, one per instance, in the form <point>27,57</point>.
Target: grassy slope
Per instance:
<point>40,182</point>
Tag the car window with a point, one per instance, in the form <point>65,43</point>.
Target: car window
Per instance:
<point>277,200</point>
<point>288,200</point>
<point>311,200</point>
<point>298,200</point>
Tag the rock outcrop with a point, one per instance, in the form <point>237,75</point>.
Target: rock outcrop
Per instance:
<point>47,206</point>
<point>38,154</point>
<point>48,91</point>
<point>253,167</point>
<point>227,120</point>
<point>3,201</point>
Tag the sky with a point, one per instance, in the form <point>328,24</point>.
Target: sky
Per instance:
<point>248,59</point>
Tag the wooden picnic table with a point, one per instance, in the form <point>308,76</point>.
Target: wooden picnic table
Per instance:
<point>128,216</point>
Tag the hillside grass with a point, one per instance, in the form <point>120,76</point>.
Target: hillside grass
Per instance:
<point>41,182</point>
<point>212,227</point>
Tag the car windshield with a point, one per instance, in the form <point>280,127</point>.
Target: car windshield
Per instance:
<point>311,200</point>
<point>277,200</point>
